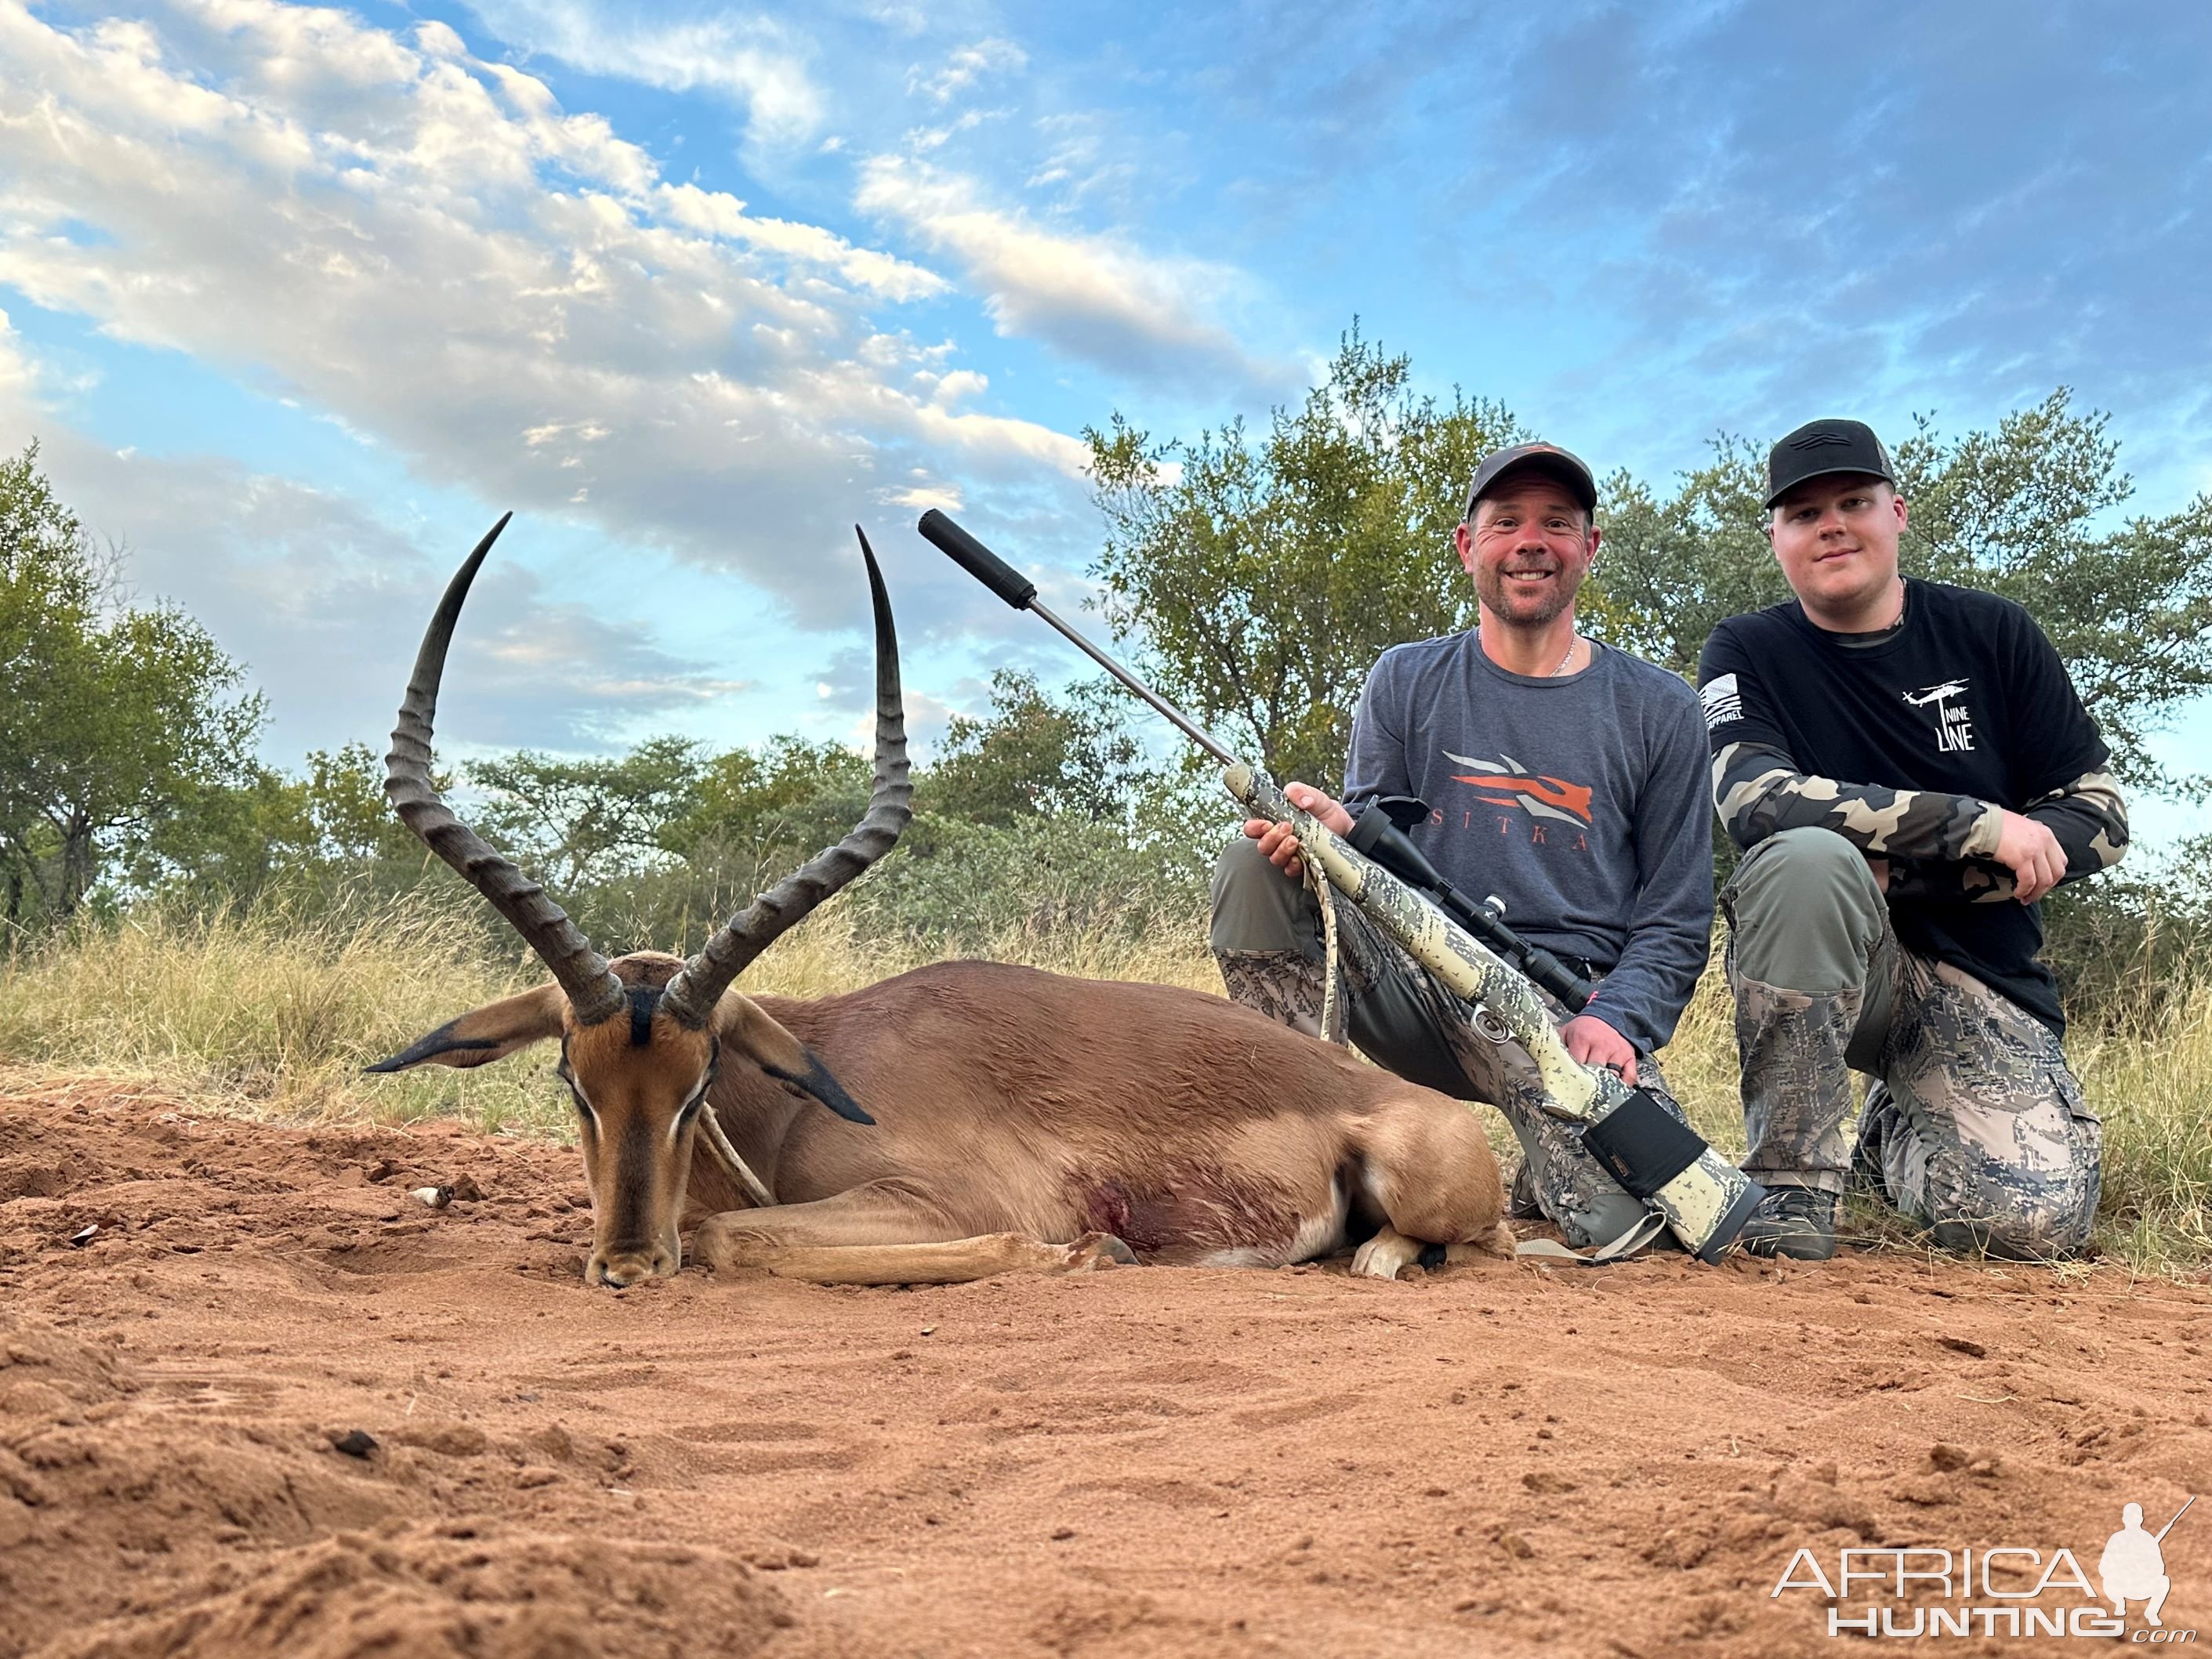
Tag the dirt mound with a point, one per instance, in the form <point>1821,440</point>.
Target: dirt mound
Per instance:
<point>456,1591</point>
<point>271,1404</point>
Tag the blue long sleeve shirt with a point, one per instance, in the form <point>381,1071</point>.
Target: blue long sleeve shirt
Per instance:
<point>1580,801</point>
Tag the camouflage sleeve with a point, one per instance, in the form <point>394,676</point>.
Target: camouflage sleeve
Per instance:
<point>2088,816</point>
<point>1759,792</point>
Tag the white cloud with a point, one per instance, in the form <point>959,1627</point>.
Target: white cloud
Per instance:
<point>324,601</point>
<point>967,65</point>
<point>919,141</point>
<point>754,60</point>
<point>1093,297</point>
<point>922,497</point>
<point>506,296</point>
<point>715,213</point>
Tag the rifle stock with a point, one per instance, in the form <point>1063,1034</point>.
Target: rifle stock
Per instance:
<point>1469,969</point>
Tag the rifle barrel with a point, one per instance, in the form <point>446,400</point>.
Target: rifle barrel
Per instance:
<point>1182,723</point>
<point>2178,1514</point>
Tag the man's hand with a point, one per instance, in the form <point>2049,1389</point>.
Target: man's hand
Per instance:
<point>2032,854</point>
<point>1280,842</point>
<point>1593,1043</point>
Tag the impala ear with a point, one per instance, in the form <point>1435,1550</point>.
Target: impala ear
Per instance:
<point>745,1030</point>
<point>483,1034</point>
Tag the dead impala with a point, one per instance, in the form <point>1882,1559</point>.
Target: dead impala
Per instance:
<point>962,1120</point>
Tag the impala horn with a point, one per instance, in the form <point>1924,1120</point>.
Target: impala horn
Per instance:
<point>692,995</point>
<point>592,989</point>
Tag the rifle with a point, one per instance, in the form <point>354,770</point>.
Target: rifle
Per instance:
<point>1660,1161</point>
<point>2159,1536</point>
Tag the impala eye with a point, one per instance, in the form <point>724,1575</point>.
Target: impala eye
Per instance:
<point>689,1109</point>
<point>577,1094</point>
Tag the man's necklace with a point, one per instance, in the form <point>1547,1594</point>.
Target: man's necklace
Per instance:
<point>1573,640</point>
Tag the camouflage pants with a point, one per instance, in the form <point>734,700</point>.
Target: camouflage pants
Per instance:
<point>1974,1126</point>
<point>1267,935</point>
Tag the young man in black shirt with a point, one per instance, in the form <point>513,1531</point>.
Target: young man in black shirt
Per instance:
<point>1908,771</point>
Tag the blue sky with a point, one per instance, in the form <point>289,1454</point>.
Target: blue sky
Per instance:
<point>297,299</point>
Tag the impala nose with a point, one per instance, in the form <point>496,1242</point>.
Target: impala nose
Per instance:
<point>619,1269</point>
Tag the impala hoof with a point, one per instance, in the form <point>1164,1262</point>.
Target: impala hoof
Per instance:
<point>1095,1251</point>
<point>1385,1255</point>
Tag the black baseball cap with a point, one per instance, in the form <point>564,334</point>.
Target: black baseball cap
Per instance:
<point>1818,448</point>
<point>1546,457</point>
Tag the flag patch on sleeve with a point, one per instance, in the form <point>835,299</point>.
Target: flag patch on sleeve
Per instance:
<point>1723,702</point>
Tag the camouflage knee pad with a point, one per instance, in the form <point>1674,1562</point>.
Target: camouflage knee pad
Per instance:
<point>1286,986</point>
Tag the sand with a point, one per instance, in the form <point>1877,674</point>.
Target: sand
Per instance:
<point>1498,1459</point>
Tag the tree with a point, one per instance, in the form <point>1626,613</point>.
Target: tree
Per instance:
<point>1261,578</point>
<point>1669,569</point>
<point>313,837</point>
<point>232,841</point>
<point>2025,511</point>
<point>353,822</point>
<point>757,814</point>
<point>112,716</point>
<point>1036,756</point>
<point>580,822</point>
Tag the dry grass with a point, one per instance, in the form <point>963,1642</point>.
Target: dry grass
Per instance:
<point>274,1015</point>
<point>269,1013</point>
<point>2151,1082</point>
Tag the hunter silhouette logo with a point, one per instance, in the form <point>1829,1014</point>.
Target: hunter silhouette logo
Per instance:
<point>2133,1568</point>
<point>1955,722</point>
<point>1505,782</point>
<point>1996,1590</point>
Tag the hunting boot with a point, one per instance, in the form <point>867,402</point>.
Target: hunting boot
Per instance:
<point>1797,1096</point>
<point>1793,1221</point>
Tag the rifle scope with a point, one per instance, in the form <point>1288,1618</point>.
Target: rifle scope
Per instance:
<point>1379,831</point>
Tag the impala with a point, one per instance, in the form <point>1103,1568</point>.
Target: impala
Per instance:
<point>965,1119</point>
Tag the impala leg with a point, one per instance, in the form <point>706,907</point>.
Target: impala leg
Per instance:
<point>872,1237</point>
<point>1427,1165</point>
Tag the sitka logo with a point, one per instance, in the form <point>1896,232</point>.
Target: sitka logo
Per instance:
<point>1822,441</point>
<point>1505,782</point>
<point>1998,1589</point>
<point>1954,721</point>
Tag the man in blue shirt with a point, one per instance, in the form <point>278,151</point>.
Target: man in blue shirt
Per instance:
<point>1565,777</point>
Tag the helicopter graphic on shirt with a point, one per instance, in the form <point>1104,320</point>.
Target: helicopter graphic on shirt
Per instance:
<point>1955,722</point>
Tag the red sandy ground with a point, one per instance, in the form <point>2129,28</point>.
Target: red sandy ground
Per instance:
<point>1495,1460</point>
